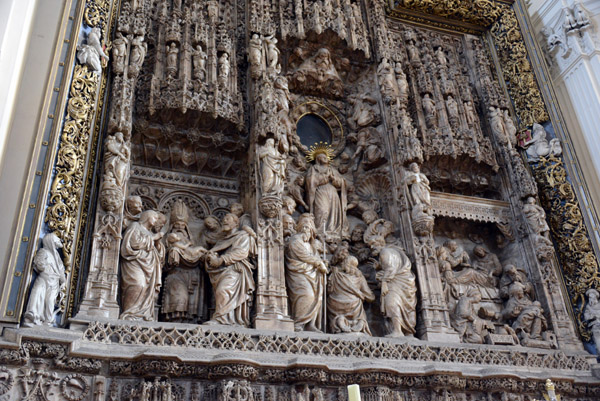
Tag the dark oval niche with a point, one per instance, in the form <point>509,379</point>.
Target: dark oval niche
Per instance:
<point>312,129</point>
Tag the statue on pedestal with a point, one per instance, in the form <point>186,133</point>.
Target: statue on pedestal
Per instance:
<point>591,315</point>
<point>305,276</point>
<point>44,292</point>
<point>327,198</point>
<point>230,271</point>
<point>142,254</point>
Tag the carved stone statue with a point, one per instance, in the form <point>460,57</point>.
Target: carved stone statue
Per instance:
<point>387,81</point>
<point>368,149</point>
<point>116,159</point>
<point>211,232</point>
<point>418,185</point>
<point>91,53</point>
<point>142,255</point>
<point>133,210</point>
<point>525,315</point>
<point>183,283</point>
<point>44,292</point>
<point>465,321</point>
<point>172,53</point>
<point>272,168</point>
<point>327,198</point>
<point>470,112</point>
<point>138,53</point>
<point>347,289</point>
<point>289,225</point>
<point>511,130</point>
<point>296,190</point>
<point>536,218</point>
<point>402,83</point>
<point>224,68</point>
<point>199,63</point>
<point>539,146</point>
<point>119,53</point>
<point>591,315</point>
<point>305,276</point>
<point>429,109</point>
<point>452,108</point>
<point>363,113</point>
<point>230,271</point>
<point>497,126</point>
<point>272,53</point>
<point>398,289</point>
<point>255,56</point>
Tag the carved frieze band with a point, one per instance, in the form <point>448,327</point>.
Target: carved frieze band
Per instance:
<point>470,208</point>
<point>199,338</point>
<point>579,264</point>
<point>193,181</point>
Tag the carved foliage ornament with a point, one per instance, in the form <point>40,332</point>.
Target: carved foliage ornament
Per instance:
<point>478,12</point>
<point>517,70</point>
<point>579,264</point>
<point>96,13</point>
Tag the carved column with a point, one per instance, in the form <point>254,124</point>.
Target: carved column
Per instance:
<point>101,288</point>
<point>268,131</point>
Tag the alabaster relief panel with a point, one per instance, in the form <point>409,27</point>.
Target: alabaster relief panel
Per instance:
<point>294,178</point>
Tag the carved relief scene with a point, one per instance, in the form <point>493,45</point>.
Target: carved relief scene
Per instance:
<point>362,170</point>
<point>311,179</point>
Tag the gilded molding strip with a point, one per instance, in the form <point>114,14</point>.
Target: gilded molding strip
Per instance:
<point>579,264</point>
<point>65,192</point>
<point>478,12</point>
<point>517,70</point>
<point>470,208</point>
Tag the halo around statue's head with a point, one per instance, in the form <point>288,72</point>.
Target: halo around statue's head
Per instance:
<point>321,147</point>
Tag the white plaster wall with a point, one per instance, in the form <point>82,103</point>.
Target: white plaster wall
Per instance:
<point>575,70</point>
<point>28,43</point>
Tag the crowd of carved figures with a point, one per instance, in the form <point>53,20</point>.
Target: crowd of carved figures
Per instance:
<point>351,224</point>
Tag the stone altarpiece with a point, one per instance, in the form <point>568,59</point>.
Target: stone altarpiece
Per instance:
<point>298,195</point>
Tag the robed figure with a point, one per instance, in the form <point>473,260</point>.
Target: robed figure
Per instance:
<point>230,271</point>
<point>305,276</point>
<point>51,276</point>
<point>327,199</point>
<point>398,288</point>
<point>347,289</point>
<point>142,254</point>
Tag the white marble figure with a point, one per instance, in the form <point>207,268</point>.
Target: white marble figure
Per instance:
<point>539,146</point>
<point>119,53</point>
<point>143,255</point>
<point>591,315</point>
<point>91,53</point>
<point>44,292</point>
<point>305,274</point>
<point>272,168</point>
